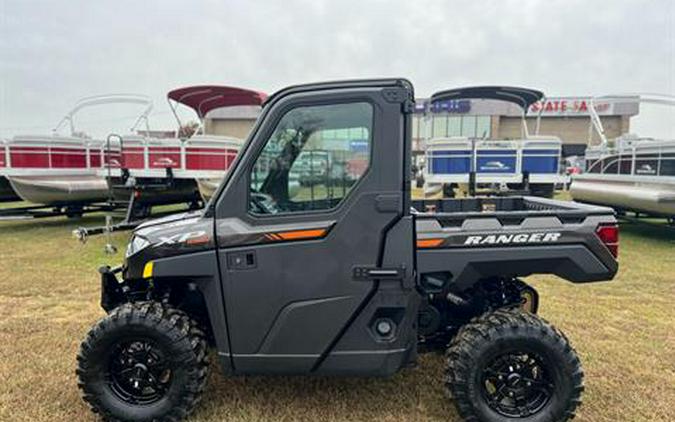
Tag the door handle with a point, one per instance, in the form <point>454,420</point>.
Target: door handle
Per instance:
<point>388,203</point>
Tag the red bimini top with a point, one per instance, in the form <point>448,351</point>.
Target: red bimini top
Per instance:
<point>204,98</point>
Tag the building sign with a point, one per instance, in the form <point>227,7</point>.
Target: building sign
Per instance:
<point>550,107</point>
<point>568,107</point>
<point>447,106</point>
<point>451,106</point>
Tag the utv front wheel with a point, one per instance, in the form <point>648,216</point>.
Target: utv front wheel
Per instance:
<point>143,362</point>
<point>509,365</point>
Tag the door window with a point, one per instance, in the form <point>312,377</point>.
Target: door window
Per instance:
<point>313,159</point>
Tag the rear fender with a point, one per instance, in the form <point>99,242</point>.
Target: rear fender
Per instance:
<point>574,252</point>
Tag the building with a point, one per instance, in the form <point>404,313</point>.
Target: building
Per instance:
<point>231,121</point>
<point>564,117</point>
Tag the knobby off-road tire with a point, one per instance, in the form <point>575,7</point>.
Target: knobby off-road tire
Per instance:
<point>143,362</point>
<point>541,376</point>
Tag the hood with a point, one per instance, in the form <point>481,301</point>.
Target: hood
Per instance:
<point>169,219</point>
<point>176,234</point>
<point>176,229</point>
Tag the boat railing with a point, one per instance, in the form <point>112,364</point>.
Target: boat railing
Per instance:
<point>105,100</point>
<point>639,159</point>
<point>202,156</point>
<point>37,155</point>
<point>596,125</point>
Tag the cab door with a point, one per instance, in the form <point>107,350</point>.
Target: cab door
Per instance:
<point>301,223</point>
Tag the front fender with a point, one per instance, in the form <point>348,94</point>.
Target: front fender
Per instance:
<point>200,269</point>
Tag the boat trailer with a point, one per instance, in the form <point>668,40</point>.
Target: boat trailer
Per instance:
<point>44,211</point>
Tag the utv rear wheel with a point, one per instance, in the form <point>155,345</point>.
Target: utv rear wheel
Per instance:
<point>143,362</point>
<point>511,364</point>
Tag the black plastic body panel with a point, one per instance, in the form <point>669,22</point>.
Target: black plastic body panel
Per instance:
<point>574,262</point>
<point>514,237</point>
<point>201,268</point>
<point>296,310</point>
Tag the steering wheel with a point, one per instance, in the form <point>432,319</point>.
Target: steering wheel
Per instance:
<point>263,204</point>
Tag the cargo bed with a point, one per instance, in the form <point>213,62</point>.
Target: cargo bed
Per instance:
<point>480,238</point>
<point>511,205</point>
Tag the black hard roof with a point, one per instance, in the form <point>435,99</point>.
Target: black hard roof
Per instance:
<point>350,83</point>
<point>524,97</point>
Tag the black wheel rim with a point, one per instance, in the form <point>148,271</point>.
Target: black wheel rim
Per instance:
<point>517,384</point>
<point>139,372</point>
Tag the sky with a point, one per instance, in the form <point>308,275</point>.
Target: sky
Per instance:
<point>54,52</point>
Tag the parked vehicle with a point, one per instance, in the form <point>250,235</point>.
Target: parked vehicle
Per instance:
<point>350,283</point>
<point>629,173</point>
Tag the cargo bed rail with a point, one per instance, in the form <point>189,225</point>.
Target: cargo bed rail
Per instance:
<point>513,207</point>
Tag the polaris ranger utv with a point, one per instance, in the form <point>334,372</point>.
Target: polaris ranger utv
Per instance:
<point>348,279</point>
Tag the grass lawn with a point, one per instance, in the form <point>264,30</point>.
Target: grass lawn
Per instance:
<point>49,290</point>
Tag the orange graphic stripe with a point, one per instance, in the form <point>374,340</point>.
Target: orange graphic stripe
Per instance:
<point>301,234</point>
<point>198,240</point>
<point>429,243</point>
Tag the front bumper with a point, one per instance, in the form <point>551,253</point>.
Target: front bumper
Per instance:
<point>112,290</point>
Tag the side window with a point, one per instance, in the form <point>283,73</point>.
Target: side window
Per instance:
<point>313,159</point>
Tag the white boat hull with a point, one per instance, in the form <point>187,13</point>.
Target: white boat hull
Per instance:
<point>56,190</point>
<point>623,194</point>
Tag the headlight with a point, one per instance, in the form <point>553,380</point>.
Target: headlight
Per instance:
<point>136,244</point>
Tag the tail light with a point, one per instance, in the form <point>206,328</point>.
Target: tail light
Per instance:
<point>609,235</point>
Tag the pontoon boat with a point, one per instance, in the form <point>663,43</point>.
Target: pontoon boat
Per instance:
<point>531,163</point>
<point>181,169</point>
<point>57,169</point>
<point>629,173</point>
